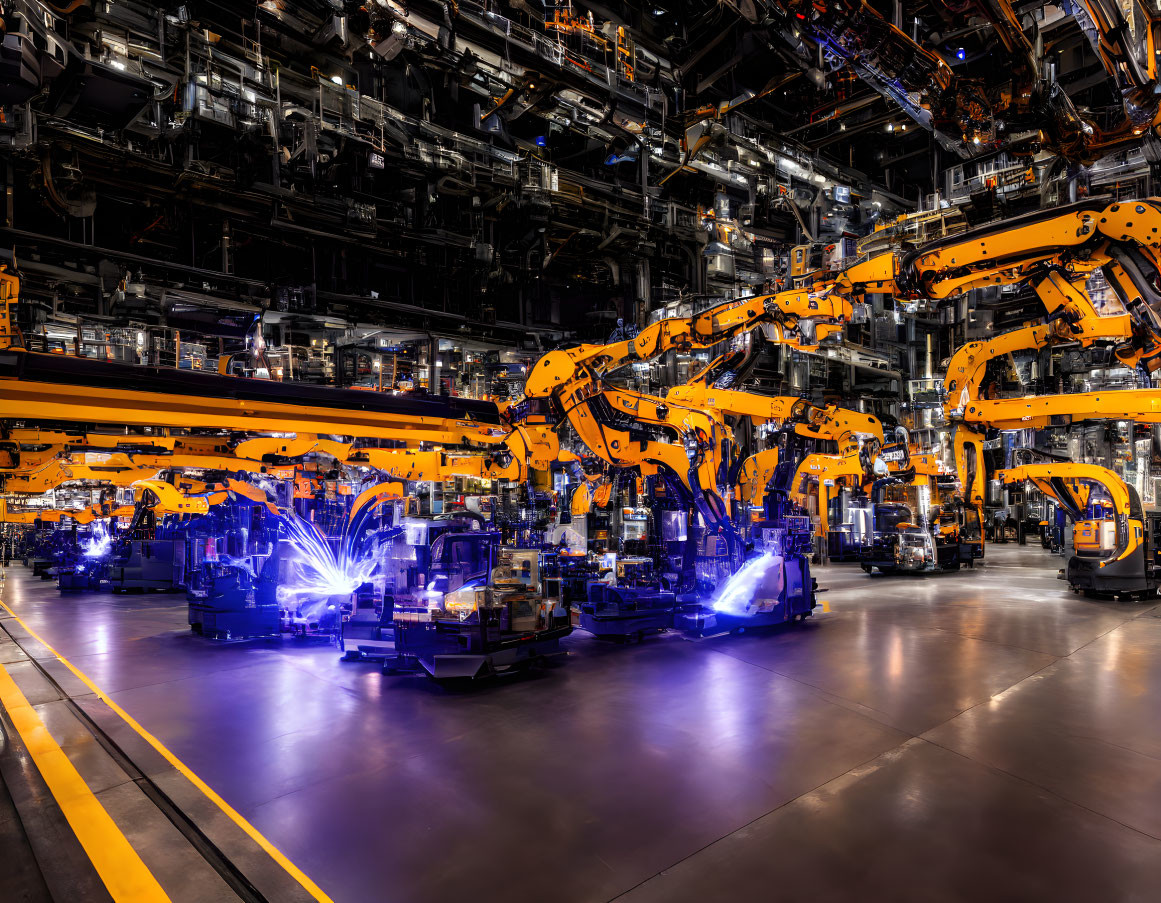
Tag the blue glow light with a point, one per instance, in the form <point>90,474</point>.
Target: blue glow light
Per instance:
<point>99,543</point>
<point>540,141</point>
<point>960,54</point>
<point>744,594</point>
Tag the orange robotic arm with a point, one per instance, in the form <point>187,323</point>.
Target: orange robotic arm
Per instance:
<point>1060,481</point>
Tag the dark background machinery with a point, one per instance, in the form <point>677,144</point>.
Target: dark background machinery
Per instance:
<point>506,171</point>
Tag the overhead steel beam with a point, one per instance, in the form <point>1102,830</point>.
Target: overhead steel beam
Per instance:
<point>708,46</point>
<point>82,396</point>
<point>720,71</point>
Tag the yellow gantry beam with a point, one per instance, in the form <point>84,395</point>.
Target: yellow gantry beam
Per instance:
<point>47,515</point>
<point>43,401</point>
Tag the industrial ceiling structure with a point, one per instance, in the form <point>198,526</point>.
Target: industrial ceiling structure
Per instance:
<point>549,163</point>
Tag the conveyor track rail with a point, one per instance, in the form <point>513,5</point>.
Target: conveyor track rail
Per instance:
<point>197,839</point>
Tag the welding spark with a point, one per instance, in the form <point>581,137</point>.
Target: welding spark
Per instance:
<point>745,592</point>
<point>322,568</point>
<point>99,542</point>
<point>319,569</point>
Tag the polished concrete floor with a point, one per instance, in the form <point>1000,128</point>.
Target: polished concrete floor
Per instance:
<point>984,735</point>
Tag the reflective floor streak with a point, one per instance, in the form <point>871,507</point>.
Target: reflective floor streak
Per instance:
<point>970,736</point>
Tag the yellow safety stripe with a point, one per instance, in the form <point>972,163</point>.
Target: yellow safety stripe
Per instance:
<point>125,875</point>
<point>277,855</point>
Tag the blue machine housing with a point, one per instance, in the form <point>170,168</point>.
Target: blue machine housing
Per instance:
<point>486,641</point>
<point>229,607</point>
<point>447,649</point>
<point>148,565</point>
<point>624,611</point>
<point>88,575</point>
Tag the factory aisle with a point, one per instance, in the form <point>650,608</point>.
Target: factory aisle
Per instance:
<point>87,818</point>
<point>954,737</point>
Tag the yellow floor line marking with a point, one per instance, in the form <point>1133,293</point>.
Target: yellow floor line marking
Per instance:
<point>124,874</point>
<point>277,855</point>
